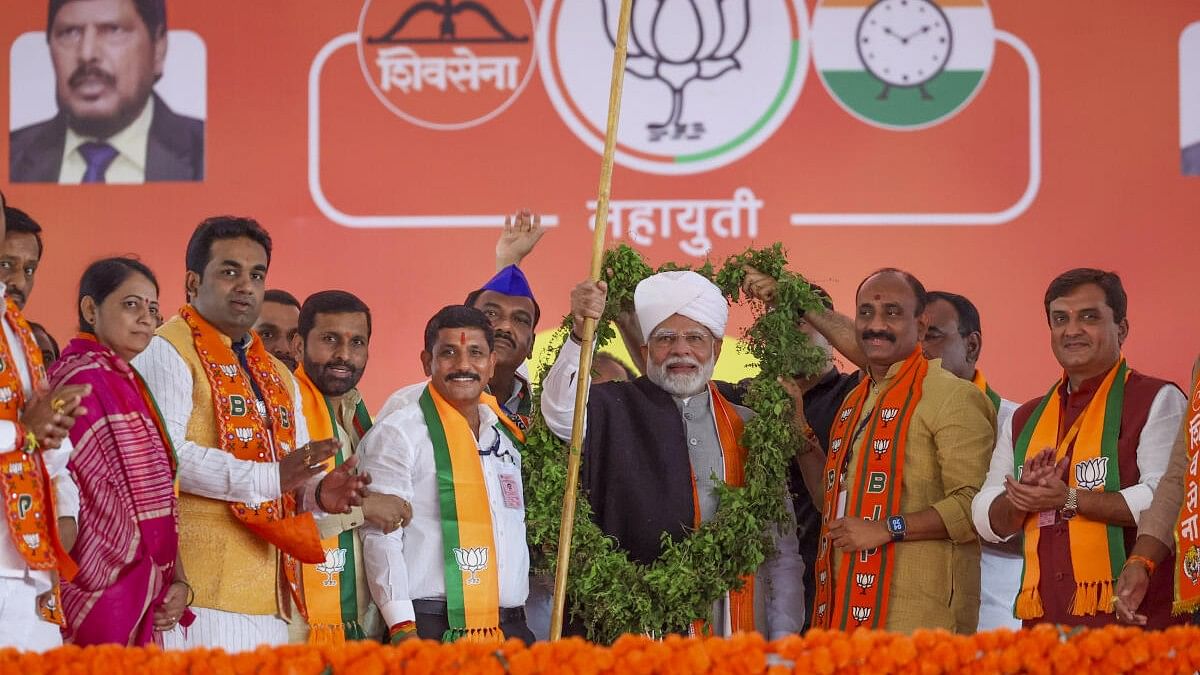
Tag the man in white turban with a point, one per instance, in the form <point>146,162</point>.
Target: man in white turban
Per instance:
<point>655,448</point>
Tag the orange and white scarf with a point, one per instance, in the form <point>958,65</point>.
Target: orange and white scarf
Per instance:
<point>1187,528</point>
<point>860,594</point>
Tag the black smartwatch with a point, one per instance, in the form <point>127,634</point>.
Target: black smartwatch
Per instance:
<point>897,527</point>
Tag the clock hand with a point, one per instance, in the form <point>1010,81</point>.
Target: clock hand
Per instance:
<point>893,33</point>
<point>920,31</point>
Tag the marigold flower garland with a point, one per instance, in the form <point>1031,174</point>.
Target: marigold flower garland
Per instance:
<point>1043,650</point>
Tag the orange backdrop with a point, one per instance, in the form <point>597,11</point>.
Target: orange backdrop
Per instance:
<point>1110,195</point>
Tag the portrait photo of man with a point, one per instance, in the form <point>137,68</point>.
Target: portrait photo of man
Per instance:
<point>1189,99</point>
<point>111,125</point>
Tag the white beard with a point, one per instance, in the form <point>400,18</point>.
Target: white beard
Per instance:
<point>679,385</point>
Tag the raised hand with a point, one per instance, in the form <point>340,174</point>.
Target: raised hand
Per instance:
<point>587,301</point>
<point>758,285</point>
<point>518,239</point>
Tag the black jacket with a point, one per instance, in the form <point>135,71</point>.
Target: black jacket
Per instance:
<point>174,149</point>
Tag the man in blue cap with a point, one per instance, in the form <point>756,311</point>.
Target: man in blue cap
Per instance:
<point>508,302</point>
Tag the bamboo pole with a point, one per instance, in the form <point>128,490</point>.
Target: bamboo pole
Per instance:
<point>584,379</point>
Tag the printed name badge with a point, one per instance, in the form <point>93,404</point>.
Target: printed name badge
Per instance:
<point>510,490</point>
<point>1047,518</point>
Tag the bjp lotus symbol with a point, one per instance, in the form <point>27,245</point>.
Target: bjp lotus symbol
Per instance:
<point>471,560</point>
<point>678,41</point>
<point>864,581</point>
<point>335,563</point>
<point>860,614</point>
<point>1092,473</point>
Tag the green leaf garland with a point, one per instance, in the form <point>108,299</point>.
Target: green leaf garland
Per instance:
<point>613,595</point>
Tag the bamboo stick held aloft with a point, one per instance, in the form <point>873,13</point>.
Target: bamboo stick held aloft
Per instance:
<point>588,330</point>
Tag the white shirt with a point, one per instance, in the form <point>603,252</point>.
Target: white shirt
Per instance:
<point>66,494</point>
<point>1153,454</point>
<point>128,167</point>
<point>209,472</point>
<point>409,564</point>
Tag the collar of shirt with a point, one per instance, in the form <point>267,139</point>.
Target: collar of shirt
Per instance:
<point>520,384</point>
<point>894,369</point>
<point>130,142</point>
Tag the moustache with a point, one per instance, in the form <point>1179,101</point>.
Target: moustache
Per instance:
<point>872,334</point>
<point>341,364</point>
<point>681,361</point>
<point>91,70</point>
<point>462,373</point>
<point>504,335</point>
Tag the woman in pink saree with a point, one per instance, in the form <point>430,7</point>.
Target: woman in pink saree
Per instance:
<point>129,587</point>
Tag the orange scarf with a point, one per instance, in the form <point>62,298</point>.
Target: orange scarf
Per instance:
<point>258,433</point>
<point>23,477</point>
<point>1187,529</point>
<point>859,596</point>
<point>733,455</point>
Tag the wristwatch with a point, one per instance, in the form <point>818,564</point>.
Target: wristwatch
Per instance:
<point>1069,509</point>
<point>897,527</point>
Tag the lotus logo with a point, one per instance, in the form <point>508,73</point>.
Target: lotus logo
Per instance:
<point>32,540</point>
<point>16,469</point>
<point>835,445</point>
<point>679,41</point>
<point>6,394</point>
<point>335,563</point>
<point>864,581</point>
<point>829,480</point>
<point>1191,564</point>
<point>230,370</point>
<point>244,434</point>
<point>1092,473</point>
<point>823,576</point>
<point>881,446</point>
<point>821,609</point>
<point>844,414</point>
<point>261,407</point>
<point>861,614</point>
<point>471,560</point>
<point>888,414</point>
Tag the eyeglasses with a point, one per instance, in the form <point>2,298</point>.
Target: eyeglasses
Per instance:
<point>692,338</point>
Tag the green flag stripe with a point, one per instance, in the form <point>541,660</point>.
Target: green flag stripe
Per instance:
<point>993,397</point>
<point>1113,409</point>
<point>348,576</point>
<point>455,597</point>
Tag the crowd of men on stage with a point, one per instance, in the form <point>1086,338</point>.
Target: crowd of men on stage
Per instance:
<point>215,479</point>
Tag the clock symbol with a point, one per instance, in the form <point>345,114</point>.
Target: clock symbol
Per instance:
<point>904,43</point>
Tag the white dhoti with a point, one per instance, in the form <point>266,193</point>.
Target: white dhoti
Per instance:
<point>226,630</point>
<point>20,624</point>
<point>999,583</point>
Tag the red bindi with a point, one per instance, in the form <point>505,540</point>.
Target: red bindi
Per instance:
<point>462,338</point>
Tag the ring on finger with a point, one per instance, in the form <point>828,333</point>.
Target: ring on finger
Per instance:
<point>59,406</point>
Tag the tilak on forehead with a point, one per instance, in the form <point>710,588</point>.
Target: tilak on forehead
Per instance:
<point>462,338</point>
